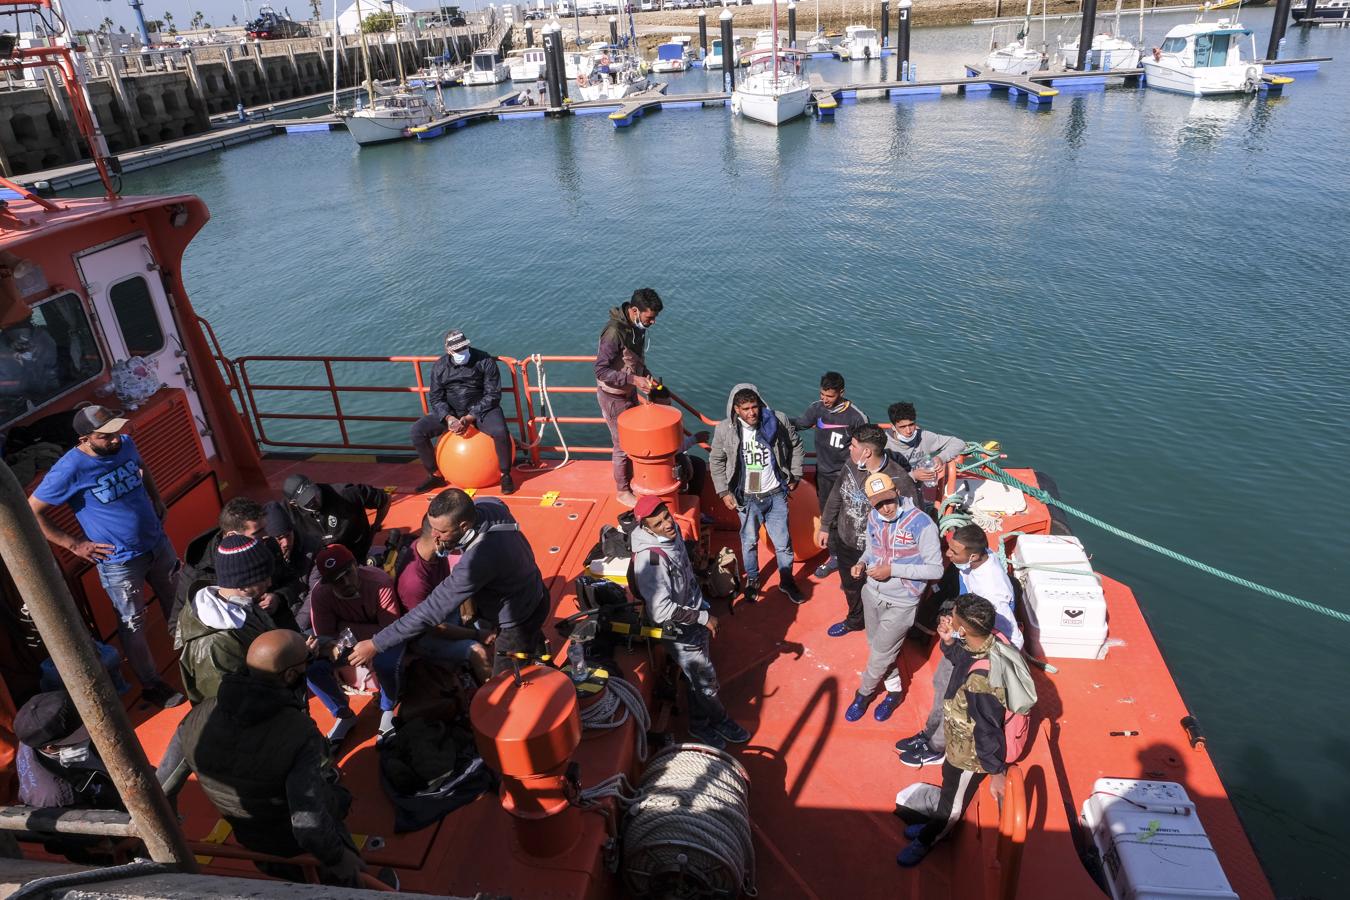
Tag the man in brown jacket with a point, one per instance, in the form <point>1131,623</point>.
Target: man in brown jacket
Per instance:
<point>621,372</point>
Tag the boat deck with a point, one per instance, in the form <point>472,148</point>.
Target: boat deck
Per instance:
<point>822,789</point>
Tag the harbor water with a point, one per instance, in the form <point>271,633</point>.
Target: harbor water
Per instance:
<point>1142,294</point>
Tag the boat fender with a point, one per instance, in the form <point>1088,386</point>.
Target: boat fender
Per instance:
<point>1193,732</point>
<point>1253,81</point>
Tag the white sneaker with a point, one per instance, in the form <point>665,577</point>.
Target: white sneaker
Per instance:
<point>340,729</point>
<point>386,721</point>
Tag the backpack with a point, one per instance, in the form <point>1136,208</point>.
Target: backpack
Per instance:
<point>1016,725</point>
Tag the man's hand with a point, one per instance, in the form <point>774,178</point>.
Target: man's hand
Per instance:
<point>452,424</point>
<point>269,601</point>
<point>729,502</point>
<point>712,625</point>
<point>324,648</point>
<point>944,629</point>
<point>792,485</point>
<point>879,572</point>
<point>996,783</point>
<point>94,553</point>
<point>642,384</point>
<point>822,539</point>
<point>467,420</point>
<point>363,654</point>
<point>857,571</point>
<point>348,870</point>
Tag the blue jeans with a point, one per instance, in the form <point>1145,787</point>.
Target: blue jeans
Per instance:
<point>125,584</point>
<point>772,510</point>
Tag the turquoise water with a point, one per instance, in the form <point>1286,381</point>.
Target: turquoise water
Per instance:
<point>1139,293</point>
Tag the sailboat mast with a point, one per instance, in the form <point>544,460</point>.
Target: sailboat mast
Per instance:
<point>398,47</point>
<point>775,46</point>
<point>365,53</point>
<point>337,36</point>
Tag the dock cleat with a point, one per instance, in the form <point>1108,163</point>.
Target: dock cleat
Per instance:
<point>858,708</point>
<point>887,705</point>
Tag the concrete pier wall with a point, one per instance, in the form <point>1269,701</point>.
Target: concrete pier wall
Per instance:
<point>164,95</point>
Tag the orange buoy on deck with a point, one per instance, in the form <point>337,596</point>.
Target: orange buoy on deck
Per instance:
<point>527,729</point>
<point>802,517</point>
<point>469,460</point>
<point>651,435</point>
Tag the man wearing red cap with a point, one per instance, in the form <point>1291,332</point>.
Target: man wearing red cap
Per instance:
<point>664,579</point>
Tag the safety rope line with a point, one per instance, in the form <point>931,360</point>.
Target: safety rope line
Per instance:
<point>986,466</point>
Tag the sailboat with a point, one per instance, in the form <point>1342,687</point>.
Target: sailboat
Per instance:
<point>1015,57</point>
<point>773,89</point>
<point>389,114</point>
<point>1109,49</point>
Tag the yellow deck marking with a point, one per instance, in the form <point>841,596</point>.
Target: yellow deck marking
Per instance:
<point>549,499</point>
<point>471,491</point>
<point>217,835</point>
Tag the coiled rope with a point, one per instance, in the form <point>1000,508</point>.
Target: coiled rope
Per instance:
<point>546,402</point>
<point>619,697</point>
<point>984,464</point>
<point>690,827</point>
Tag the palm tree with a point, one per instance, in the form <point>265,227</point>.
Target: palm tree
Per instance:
<point>315,8</point>
<point>168,19</point>
<point>197,19</point>
<point>106,25</point>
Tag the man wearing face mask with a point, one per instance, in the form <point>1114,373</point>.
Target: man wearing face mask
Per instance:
<point>261,761</point>
<point>922,453</point>
<point>843,522</point>
<point>335,513</point>
<point>216,628</point>
<point>466,392</point>
<point>621,373</point>
<point>56,762</point>
<point>904,553</point>
<point>28,363</point>
<point>496,569</point>
<point>115,500</point>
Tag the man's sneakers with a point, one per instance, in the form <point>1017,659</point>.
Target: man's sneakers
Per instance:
<point>789,586</point>
<point>433,482</point>
<point>912,832</point>
<point>827,568</point>
<point>913,742</point>
<point>751,592</point>
<point>913,854</point>
<point>161,695</point>
<point>839,629</point>
<point>922,756</point>
<point>887,706</point>
<point>731,731</point>
<point>858,708</point>
<point>710,737</point>
<point>387,724</point>
<point>508,486</point>
<point>342,725</point>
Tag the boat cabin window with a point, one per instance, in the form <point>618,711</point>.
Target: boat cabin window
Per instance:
<point>1174,45</point>
<point>135,311</point>
<point>51,353</point>
<point>1212,50</point>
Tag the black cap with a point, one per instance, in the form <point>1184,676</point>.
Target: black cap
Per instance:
<point>301,491</point>
<point>98,418</point>
<point>277,519</point>
<point>47,718</point>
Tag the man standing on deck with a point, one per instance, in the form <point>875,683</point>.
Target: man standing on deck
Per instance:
<point>496,568</point>
<point>117,504</point>
<point>833,418</point>
<point>466,391</point>
<point>843,520</point>
<point>621,373</point>
<point>922,453</point>
<point>335,513</point>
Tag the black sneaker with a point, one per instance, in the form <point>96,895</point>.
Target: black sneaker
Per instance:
<point>913,742</point>
<point>827,568</point>
<point>731,732</point>
<point>433,482</point>
<point>794,593</point>
<point>508,486</point>
<point>162,695</point>
<point>751,592</point>
<point>925,756</point>
<point>709,737</point>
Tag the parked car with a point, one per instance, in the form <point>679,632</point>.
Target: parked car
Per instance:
<point>648,6</point>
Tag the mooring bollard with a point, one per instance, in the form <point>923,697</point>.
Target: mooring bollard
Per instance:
<point>703,32</point>
<point>1277,28</point>
<point>792,25</point>
<point>613,30</point>
<point>885,23</point>
<point>1086,34</point>
<point>555,71</point>
<point>529,35</point>
<point>728,52</point>
<point>902,39</point>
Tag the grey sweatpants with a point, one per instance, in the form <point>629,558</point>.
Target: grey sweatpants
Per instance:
<point>937,736</point>
<point>886,626</point>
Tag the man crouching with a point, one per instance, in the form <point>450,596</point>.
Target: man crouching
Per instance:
<point>664,579</point>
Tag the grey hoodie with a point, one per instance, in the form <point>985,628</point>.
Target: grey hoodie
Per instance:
<point>724,453</point>
<point>667,585</point>
<point>941,446</point>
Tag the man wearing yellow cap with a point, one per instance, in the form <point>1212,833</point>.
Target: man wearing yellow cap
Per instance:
<point>904,553</point>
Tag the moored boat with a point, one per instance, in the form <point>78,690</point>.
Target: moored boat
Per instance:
<point>860,42</point>
<point>1323,12</point>
<point>527,64</point>
<point>614,74</point>
<point>486,67</point>
<point>772,90</point>
<point>672,56</point>
<point>389,117</point>
<point>1205,59</point>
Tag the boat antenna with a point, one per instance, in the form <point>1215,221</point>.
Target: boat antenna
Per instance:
<point>1141,25</point>
<point>398,47</point>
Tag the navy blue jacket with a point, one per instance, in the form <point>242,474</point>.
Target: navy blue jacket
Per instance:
<point>470,389</point>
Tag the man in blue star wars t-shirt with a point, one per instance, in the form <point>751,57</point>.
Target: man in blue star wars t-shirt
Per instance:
<point>114,499</point>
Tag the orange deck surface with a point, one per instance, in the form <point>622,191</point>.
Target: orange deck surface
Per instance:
<point>822,789</point>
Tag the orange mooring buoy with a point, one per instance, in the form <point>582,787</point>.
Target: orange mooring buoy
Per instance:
<point>469,460</point>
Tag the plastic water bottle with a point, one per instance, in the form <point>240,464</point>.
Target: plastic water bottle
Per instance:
<point>927,462</point>
<point>576,658</point>
<point>346,639</point>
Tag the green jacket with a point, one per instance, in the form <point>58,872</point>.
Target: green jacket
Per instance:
<point>208,654</point>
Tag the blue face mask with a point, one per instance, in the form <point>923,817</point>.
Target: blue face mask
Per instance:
<point>460,358</point>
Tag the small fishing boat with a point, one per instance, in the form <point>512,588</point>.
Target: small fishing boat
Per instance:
<point>671,56</point>
<point>487,68</point>
<point>860,42</point>
<point>773,90</point>
<point>1205,59</point>
<point>1324,12</point>
<point>1109,49</point>
<point>436,73</point>
<point>615,73</point>
<point>527,64</point>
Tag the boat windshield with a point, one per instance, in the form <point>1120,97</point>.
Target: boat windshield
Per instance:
<point>1174,45</point>
<point>54,350</point>
<point>1212,50</point>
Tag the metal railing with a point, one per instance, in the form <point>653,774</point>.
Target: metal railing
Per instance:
<point>1012,833</point>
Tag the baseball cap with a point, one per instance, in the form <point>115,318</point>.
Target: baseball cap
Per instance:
<point>301,491</point>
<point>647,505</point>
<point>332,561</point>
<point>49,718</point>
<point>99,419</point>
<point>879,488</point>
<point>455,342</point>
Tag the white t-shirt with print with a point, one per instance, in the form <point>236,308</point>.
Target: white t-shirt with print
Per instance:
<point>758,476</point>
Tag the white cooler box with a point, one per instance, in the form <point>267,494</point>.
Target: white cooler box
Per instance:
<point>1159,851</point>
<point>1066,610</point>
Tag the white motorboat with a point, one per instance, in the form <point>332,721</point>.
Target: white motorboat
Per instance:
<point>389,117</point>
<point>671,56</point>
<point>487,68</point>
<point>772,90</point>
<point>1014,55</point>
<point>436,73</point>
<point>576,63</point>
<point>1203,59</point>
<point>1109,49</point>
<point>860,42</point>
<point>527,64</point>
<point>714,58</point>
<point>615,73</point>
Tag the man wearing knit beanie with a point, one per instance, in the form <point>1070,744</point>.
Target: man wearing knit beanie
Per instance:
<point>216,628</point>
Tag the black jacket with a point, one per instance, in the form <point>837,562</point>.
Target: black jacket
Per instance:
<point>470,389</point>
<point>341,518</point>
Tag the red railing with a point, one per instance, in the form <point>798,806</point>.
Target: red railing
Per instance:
<point>1012,833</point>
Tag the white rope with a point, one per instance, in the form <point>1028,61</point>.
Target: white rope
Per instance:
<point>619,697</point>
<point>690,823</point>
<point>546,403</point>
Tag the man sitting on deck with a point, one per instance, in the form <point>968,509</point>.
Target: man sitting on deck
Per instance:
<point>664,579</point>
<point>428,564</point>
<point>466,391</point>
<point>265,767</point>
<point>496,569</point>
<point>335,513</point>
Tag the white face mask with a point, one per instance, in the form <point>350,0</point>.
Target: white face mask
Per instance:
<point>460,358</point>
<point>963,568</point>
<point>912,439</point>
<point>73,754</point>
